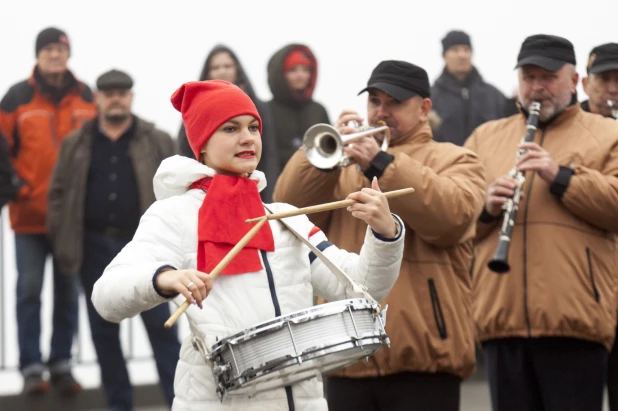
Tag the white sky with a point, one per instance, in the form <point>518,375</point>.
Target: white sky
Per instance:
<point>164,43</point>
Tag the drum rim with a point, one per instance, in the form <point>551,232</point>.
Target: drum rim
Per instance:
<point>299,316</point>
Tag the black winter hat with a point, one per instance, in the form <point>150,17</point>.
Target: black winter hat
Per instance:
<point>455,38</point>
<point>51,35</point>
<point>399,79</point>
<point>546,51</point>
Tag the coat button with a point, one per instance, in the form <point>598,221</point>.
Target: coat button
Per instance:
<point>113,177</point>
<point>112,196</point>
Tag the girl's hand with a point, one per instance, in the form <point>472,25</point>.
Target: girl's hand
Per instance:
<point>193,284</point>
<point>372,207</point>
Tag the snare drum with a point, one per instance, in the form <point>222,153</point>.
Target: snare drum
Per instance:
<point>298,346</point>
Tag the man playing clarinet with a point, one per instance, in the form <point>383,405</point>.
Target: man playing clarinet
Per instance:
<point>548,323</point>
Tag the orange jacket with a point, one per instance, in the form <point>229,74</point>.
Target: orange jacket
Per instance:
<point>35,118</point>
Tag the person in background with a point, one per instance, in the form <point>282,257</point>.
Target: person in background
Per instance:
<point>601,86</point>
<point>460,96</point>
<point>101,186</point>
<point>292,77</point>
<point>35,116</point>
<point>223,64</point>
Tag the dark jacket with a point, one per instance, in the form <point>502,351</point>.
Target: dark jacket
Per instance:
<point>464,106</point>
<point>10,183</point>
<point>268,163</point>
<point>67,193</point>
<point>293,113</point>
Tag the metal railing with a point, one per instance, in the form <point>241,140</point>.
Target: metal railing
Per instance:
<point>132,334</point>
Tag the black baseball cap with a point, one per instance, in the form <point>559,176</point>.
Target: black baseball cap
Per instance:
<point>399,79</point>
<point>603,58</point>
<point>114,80</point>
<point>546,51</point>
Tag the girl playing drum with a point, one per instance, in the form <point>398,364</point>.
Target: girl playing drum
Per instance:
<point>200,215</point>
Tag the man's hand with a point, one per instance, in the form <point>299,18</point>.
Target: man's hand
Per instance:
<point>539,160</point>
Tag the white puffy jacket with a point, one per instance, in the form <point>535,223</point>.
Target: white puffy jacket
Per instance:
<point>167,235</point>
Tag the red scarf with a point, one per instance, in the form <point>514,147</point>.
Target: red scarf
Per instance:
<point>221,224</point>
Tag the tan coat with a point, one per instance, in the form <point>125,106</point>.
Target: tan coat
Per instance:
<point>428,317</point>
<point>563,253</point>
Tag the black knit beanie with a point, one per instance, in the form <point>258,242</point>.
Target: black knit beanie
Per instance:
<point>50,35</point>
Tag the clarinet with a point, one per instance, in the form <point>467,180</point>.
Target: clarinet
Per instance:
<point>499,263</point>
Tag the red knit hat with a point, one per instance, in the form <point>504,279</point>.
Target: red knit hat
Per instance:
<point>205,105</point>
<point>296,58</point>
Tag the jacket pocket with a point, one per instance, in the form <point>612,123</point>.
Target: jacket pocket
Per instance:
<point>437,309</point>
<point>595,291</point>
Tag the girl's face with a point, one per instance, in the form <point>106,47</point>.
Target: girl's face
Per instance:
<point>223,67</point>
<point>235,148</point>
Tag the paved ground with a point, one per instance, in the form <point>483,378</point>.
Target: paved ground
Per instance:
<point>475,397</point>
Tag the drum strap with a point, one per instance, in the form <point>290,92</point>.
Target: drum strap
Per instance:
<point>353,289</point>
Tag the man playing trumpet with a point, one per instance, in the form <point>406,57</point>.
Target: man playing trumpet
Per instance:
<point>547,325</point>
<point>432,338</point>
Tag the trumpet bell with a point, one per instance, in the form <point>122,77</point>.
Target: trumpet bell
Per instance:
<point>323,146</point>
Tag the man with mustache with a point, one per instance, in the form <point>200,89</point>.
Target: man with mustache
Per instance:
<point>432,338</point>
<point>601,86</point>
<point>100,188</point>
<point>547,325</point>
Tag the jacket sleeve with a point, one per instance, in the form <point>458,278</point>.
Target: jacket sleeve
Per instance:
<point>376,266</point>
<point>8,118</point>
<point>303,185</point>
<point>57,185</point>
<point>126,287</point>
<point>483,226</point>
<point>592,195</point>
<point>445,204</point>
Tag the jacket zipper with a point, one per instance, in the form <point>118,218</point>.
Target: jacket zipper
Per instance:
<point>465,95</point>
<point>275,299</point>
<point>595,290</point>
<point>525,234</point>
<point>437,309</point>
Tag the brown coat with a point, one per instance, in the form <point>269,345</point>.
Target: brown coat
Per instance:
<point>563,255</point>
<point>428,317</point>
<point>67,192</point>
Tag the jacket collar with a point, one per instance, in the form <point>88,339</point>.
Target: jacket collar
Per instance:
<point>418,135</point>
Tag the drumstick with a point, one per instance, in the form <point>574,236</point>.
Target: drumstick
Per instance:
<point>327,206</point>
<point>222,264</point>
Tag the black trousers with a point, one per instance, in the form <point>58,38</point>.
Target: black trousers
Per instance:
<point>546,374</point>
<point>398,392</point>
<point>612,378</point>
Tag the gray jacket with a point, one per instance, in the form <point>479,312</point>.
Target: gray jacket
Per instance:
<point>67,192</point>
<point>462,107</point>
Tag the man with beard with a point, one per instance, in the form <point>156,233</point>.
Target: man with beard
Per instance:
<point>548,324</point>
<point>101,186</point>
<point>428,322</point>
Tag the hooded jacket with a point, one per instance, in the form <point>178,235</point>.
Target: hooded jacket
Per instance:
<point>293,113</point>
<point>268,162</point>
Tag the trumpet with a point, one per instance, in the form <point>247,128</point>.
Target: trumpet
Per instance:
<point>323,144</point>
<point>614,108</point>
